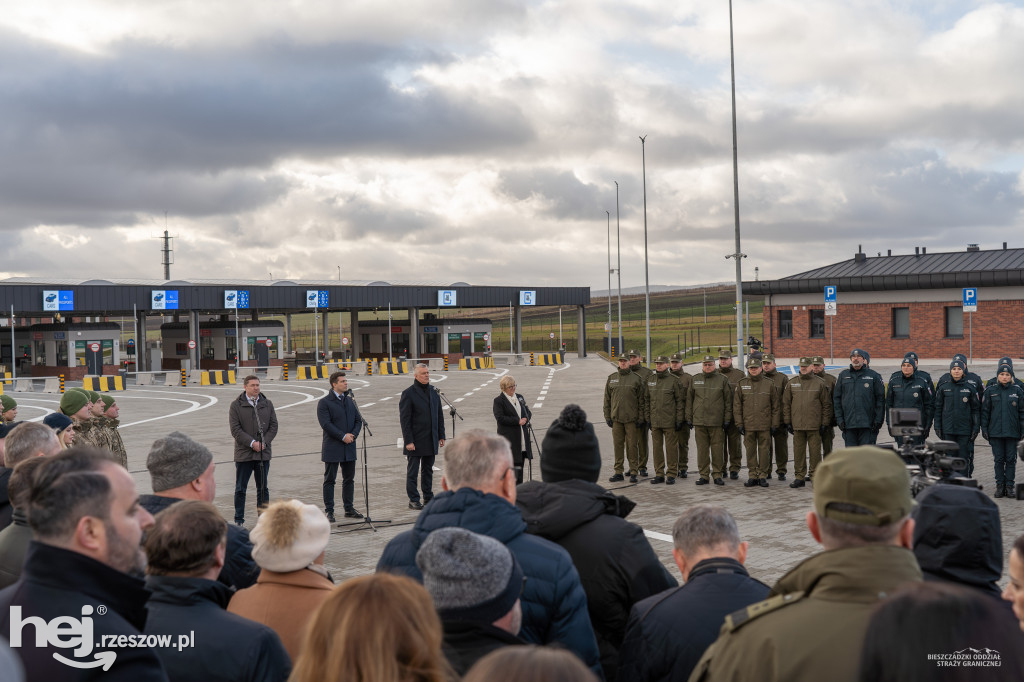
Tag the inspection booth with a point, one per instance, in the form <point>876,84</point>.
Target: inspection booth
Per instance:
<point>218,345</point>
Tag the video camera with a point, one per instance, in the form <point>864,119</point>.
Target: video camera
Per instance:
<point>930,463</point>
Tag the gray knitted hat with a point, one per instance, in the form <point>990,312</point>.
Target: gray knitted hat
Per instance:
<point>176,459</point>
<point>471,577</point>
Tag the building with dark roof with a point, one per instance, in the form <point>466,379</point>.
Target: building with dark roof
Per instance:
<point>890,304</point>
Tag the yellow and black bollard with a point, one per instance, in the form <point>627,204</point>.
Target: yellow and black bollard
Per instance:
<point>446,362</point>
<point>531,359</point>
<point>183,382</point>
<point>61,383</point>
<point>286,371</point>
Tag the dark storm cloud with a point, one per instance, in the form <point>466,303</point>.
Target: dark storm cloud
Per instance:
<point>78,128</point>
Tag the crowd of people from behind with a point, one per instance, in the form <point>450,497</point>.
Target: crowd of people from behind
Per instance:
<point>501,580</point>
<point>764,407</point>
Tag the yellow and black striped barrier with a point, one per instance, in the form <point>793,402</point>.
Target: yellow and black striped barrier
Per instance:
<point>61,383</point>
<point>393,367</point>
<point>446,362</point>
<point>102,384</point>
<point>321,372</point>
<point>7,378</point>
<point>217,377</point>
<point>548,358</point>
<point>476,362</point>
<point>184,377</point>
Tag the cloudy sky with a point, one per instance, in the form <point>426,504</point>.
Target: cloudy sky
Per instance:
<point>480,140</point>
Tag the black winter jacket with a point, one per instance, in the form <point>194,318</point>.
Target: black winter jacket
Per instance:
<point>1002,411</point>
<point>957,410</point>
<point>912,391</point>
<point>858,399</point>
<point>56,583</point>
<point>554,603</point>
<point>616,563</point>
<point>225,646</point>
<point>668,633</point>
<point>239,571</point>
<point>466,643</point>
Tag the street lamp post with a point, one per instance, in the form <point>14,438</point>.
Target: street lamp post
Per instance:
<point>738,255</point>
<point>609,214</point>
<point>618,247</point>
<point>647,281</point>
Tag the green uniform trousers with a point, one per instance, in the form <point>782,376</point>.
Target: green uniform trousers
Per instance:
<point>710,451</point>
<point>624,437</point>
<point>780,448</point>
<point>826,441</point>
<point>806,446</point>
<point>732,448</point>
<point>683,442</point>
<point>666,451</point>
<point>759,454</point>
<point>642,450</point>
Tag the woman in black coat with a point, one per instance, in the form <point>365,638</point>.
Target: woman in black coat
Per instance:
<point>513,417</point>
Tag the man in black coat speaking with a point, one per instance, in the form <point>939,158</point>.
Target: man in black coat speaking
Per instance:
<point>422,420</point>
<point>341,423</point>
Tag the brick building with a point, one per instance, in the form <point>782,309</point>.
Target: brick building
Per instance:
<point>891,304</point>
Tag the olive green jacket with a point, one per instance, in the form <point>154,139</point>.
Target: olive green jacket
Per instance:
<point>667,404</point>
<point>756,404</point>
<point>807,403</point>
<point>625,397</point>
<point>812,626</point>
<point>830,381</point>
<point>778,378</point>
<point>734,375</point>
<point>709,400</point>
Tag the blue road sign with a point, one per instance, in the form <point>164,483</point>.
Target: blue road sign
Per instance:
<point>970,300</point>
<point>830,294</point>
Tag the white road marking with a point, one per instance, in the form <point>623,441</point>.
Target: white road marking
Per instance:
<point>459,400</point>
<point>658,536</point>
<point>536,405</point>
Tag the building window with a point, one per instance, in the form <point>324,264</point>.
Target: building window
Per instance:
<point>954,322</point>
<point>901,323</point>
<point>785,324</point>
<point>817,324</point>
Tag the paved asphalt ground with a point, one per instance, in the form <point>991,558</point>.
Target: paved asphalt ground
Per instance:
<point>772,519</point>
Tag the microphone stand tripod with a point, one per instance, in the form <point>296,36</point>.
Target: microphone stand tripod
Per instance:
<point>367,522</point>
<point>533,435</point>
<point>261,470</point>
<point>451,410</point>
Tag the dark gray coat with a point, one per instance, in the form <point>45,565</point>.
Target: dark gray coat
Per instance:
<point>244,428</point>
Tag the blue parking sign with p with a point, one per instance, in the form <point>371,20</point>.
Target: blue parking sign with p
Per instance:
<point>970,299</point>
<point>830,293</point>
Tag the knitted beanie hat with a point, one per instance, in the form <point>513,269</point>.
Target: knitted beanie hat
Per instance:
<point>108,400</point>
<point>94,397</point>
<point>1004,367</point>
<point>289,536</point>
<point>73,401</point>
<point>9,403</point>
<point>471,577</point>
<point>911,358</point>
<point>57,421</point>
<point>958,363</point>
<point>176,459</point>
<point>570,448</point>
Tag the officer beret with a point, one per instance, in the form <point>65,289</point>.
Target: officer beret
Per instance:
<point>661,359</point>
<point>868,477</point>
<point>767,357</point>
<point>73,401</point>
<point>9,403</point>
<point>676,357</point>
<point>817,360</point>
<point>709,358</point>
<point>753,362</point>
<point>958,363</point>
<point>806,362</point>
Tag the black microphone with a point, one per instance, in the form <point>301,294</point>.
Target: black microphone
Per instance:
<point>348,392</point>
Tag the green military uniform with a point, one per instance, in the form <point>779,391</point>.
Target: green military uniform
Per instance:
<point>780,441</point>
<point>642,451</point>
<point>829,436</point>
<point>709,409</point>
<point>683,434</point>
<point>733,452</point>
<point>625,404</point>
<point>756,407</point>
<point>666,414</point>
<point>807,410</point>
<point>812,626</point>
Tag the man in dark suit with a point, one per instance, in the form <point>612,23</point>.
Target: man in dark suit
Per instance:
<point>340,421</point>
<point>422,420</point>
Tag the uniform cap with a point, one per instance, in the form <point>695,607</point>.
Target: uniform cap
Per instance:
<point>817,360</point>
<point>723,353</point>
<point>661,359</point>
<point>752,362</point>
<point>709,358</point>
<point>866,476</point>
<point>634,353</point>
<point>806,361</point>
<point>676,357</point>
<point>623,357</point>
<point>767,357</point>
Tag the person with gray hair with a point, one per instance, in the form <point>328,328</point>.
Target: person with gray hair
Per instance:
<point>475,583</point>
<point>813,625</point>
<point>667,633</point>
<point>182,469</point>
<point>29,439</point>
<point>480,495</point>
<point>422,422</point>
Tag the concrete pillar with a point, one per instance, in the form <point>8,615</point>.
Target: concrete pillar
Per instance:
<point>323,332</point>
<point>288,331</point>
<point>357,341</point>
<point>141,354</point>
<point>581,332</point>
<point>414,332</point>
<point>519,328</point>
<point>193,335</point>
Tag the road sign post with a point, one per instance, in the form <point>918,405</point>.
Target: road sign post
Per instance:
<point>831,307</point>
<point>970,303</point>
